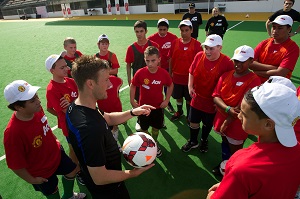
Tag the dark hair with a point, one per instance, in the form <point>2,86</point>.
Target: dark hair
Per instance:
<point>53,66</point>
<point>17,103</point>
<point>163,23</point>
<point>249,98</point>
<point>86,67</point>
<point>291,1</point>
<point>140,24</point>
<point>151,50</point>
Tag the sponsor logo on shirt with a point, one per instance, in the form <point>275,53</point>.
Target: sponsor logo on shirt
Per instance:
<point>73,94</point>
<point>239,83</point>
<point>156,82</point>
<point>194,19</point>
<point>167,45</point>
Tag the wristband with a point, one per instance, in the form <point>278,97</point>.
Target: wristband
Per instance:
<point>131,113</point>
<point>227,109</point>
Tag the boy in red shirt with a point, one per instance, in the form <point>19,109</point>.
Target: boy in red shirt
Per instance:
<point>151,80</point>
<point>208,66</point>
<point>182,53</point>
<point>71,52</point>
<point>228,95</point>
<point>32,151</point>
<point>268,168</point>
<point>104,53</point>
<point>164,39</point>
<point>60,92</point>
<point>112,103</point>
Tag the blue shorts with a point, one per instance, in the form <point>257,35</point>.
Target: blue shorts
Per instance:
<point>65,167</point>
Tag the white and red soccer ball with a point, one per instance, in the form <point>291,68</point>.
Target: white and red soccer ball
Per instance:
<point>139,149</point>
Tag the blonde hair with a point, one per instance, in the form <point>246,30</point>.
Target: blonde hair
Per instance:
<point>69,40</point>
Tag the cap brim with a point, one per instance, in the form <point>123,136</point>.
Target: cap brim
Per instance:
<point>239,58</point>
<point>30,93</point>
<point>286,136</point>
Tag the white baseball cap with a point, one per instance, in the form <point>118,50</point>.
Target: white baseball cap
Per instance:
<point>281,80</point>
<point>185,22</point>
<point>283,20</point>
<point>280,104</point>
<point>19,90</point>
<point>213,40</point>
<point>243,53</point>
<point>162,20</point>
<point>51,60</point>
<point>102,37</point>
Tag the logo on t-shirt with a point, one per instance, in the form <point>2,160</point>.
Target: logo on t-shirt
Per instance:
<point>37,141</point>
<point>74,94</point>
<point>167,45</point>
<point>156,82</point>
<point>194,19</point>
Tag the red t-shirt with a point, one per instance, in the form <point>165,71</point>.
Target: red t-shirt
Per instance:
<point>238,86</point>
<point>284,55</point>
<point>72,59</point>
<point>114,60</point>
<point>263,170</point>
<point>165,45</point>
<point>32,145</point>
<point>183,60</point>
<point>297,126</point>
<point>112,103</point>
<point>205,103</point>
<point>129,59</point>
<point>55,91</point>
<point>151,85</point>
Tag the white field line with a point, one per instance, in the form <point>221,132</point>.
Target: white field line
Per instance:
<point>55,127</point>
<point>234,26</point>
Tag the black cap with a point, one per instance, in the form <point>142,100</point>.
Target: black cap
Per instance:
<point>192,5</point>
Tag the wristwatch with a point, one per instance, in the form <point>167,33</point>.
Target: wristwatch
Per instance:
<point>295,33</point>
<point>131,113</point>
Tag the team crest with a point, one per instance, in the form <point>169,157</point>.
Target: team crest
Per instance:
<point>21,89</point>
<point>146,81</point>
<point>212,24</point>
<point>37,141</point>
<point>67,97</point>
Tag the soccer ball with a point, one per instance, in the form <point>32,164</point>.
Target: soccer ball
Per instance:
<point>222,167</point>
<point>139,149</point>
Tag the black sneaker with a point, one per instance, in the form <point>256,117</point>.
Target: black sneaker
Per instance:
<point>80,178</point>
<point>176,116</point>
<point>189,145</point>
<point>159,152</point>
<point>216,170</point>
<point>204,146</point>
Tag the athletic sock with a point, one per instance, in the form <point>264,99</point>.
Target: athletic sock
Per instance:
<point>179,107</point>
<point>225,150</point>
<point>194,134</point>
<point>68,184</point>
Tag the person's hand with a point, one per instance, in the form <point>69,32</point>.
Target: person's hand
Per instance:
<point>64,103</point>
<point>233,112</point>
<point>143,110</point>
<point>164,104</point>
<point>63,53</point>
<point>138,171</point>
<point>39,180</point>
<point>134,104</point>
<point>192,92</point>
<point>291,34</point>
<point>225,124</point>
<point>212,190</point>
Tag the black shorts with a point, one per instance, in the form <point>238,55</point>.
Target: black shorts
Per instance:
<point>181,91</point>
<point>118,192</point>
<point>155,119</point>
<point>65,167</point>
<point>196,116</point>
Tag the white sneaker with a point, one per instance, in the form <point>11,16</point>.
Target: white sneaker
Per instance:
<point>137,127</point>
<point>78,196</point>
<point>297,196</point>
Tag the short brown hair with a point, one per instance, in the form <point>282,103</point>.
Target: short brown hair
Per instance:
<point>69,40</point>
<point>151,50</point>
<point>86,67</point>
<point>140,24</point>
